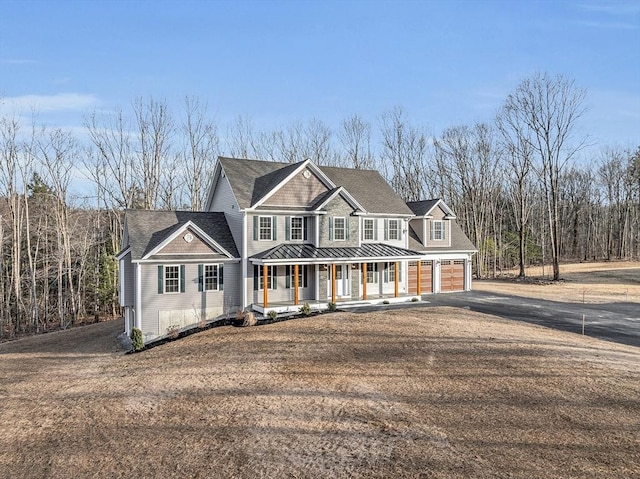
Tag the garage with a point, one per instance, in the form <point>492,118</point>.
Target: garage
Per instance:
<point>452,275</point>
<point>426,277</point>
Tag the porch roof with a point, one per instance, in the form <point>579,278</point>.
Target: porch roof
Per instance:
<point>306,253</point>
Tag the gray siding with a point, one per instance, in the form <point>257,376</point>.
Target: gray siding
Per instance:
<point>224,200</point>
<point>127,289</point>
<point>190,307</point>
<point>418,226</point>
<point>379,228</point>
<point>340,208</point>
<point>256,246</point>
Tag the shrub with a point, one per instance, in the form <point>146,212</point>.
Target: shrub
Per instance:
<point>332,306</point>
<point>306,309</point>
<point>136,339</point>
<point>173,331</point>
<point>272,315</point>
<point>249,319</point>
<point>415,300</point>
<point>386,301</point>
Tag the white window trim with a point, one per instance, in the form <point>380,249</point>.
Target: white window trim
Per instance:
<point>344,228</point>
<point>433,230</point>
<point>260,238</point>
<point>372,230</point>
<point>396,230</point>
<point>302,273</point>
<point>204,277</point>
<point>164,278</point>
<point>291,238</point>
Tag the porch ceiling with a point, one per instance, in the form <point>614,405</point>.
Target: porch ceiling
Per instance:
<point>310,254</point>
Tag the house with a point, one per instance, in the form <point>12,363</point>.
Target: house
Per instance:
<point>277,235</point>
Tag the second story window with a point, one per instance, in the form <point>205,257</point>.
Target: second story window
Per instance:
<point>437,230</point>
<point>394,229</point>
<point>265,228</point>
<point>339,229</point>
<point>295,227</point>
<point>368,228</point>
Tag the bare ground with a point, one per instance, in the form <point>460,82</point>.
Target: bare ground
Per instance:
<point>602,282</point>
<point>421,392</point>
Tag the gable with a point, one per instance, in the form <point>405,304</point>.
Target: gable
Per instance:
<point>180,245</point>
<point>438,213</point>
<point>303,190</point>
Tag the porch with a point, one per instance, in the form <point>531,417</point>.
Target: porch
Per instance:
<point>285,308</point>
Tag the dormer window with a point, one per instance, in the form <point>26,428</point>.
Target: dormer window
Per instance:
<point>437,230</point>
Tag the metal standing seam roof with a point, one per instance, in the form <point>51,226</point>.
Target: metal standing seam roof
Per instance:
<point>310,252</point>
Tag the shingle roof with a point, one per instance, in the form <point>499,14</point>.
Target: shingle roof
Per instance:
<point>307,251</point>
<point>251,180</point>
<point>421,208</point>
<point>369,189</point>
<point>147,229</point>
<point>459,241</point>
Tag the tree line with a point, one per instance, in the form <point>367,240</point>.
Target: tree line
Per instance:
<point>514,182</point>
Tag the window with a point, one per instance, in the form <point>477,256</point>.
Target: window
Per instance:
<point>437,230</point>
<point>390,276</point>
<point>170,279</point>
<point>369,230</point>
<point>372,273</point>
<point>394,229</point>
<point>210,277</point>
<point>297,225</point>
<point>258,278</point>
<point>302,276</point>
<point>339,229</point>
<point>265,228</point>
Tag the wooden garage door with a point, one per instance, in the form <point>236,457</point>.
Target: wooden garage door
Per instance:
<point>452,275</point>
<point>426,278</point>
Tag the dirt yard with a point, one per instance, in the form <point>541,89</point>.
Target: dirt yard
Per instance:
<point>422,392</point>
<point>580,282</point>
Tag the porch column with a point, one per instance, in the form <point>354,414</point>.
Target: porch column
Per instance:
<point>295,285</point>
<point>419,278</point>
<point>395,282</point>
<point>364,281</point>
<point>333,282</point>
<point>265,284</point>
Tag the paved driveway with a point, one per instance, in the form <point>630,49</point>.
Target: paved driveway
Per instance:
<point>618,322</point>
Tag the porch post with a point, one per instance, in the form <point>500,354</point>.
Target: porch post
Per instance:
<point>364,281</point>
<point>333,282</point>
<point>265,284</point>
<point>295,285</point>
<point>419,278</point>
<point>395,282</point>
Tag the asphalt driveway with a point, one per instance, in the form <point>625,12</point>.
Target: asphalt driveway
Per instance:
<point>617,322</point>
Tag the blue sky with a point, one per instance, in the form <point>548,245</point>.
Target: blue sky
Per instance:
<point>444,62</point>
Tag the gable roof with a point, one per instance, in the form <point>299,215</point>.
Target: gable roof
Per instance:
<point>459,241</point>
<point>252,180</point>
<point>148,229</point>
<point>425,207</point>
<point>369,188</point>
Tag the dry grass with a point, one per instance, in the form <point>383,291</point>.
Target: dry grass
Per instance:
<point>421,392</point>
<point>588,282</point>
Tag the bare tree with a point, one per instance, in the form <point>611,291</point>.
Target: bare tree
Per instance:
<point>355,137</point>
<point>404,154</point>
<point>518,152</point>
<point>547,108</point>
<point>201,150</point>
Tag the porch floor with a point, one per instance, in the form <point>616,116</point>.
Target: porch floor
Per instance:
<point>288,307</point>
